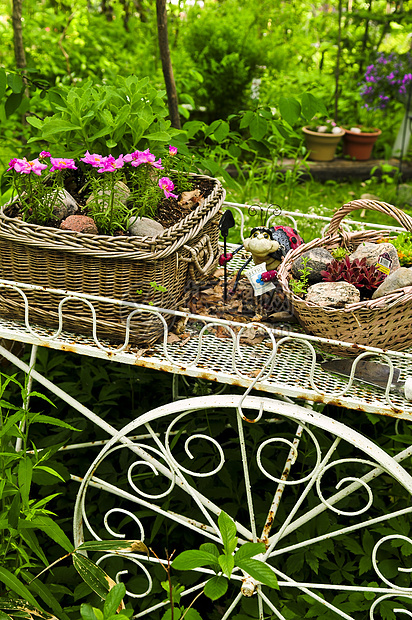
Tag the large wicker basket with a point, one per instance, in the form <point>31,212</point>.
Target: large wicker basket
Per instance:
<point>383,322</point>
<point>115,267</point>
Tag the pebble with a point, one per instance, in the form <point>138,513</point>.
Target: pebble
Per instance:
<point>372,251</point>
<point>397,279</point>
<point>64,203</point>
<point>80,223</point>
<point>333,294</point>
<point>144,227</point>
<point>319,259</point>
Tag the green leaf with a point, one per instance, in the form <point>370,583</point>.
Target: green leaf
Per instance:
<point>192,614</point>
<point>4,616</point>
<point>58,125</point>
<point>25,474</point>
<point>227,529</point>
<point>311,106</point>
<point>50,471</point>
<point>51,528</point>
<point>47,419</point>
<point>290,109</point>
<point>216,587</point>
<point>44,593</point>
<point>92,574</point>
<point>129,546</point>
<point>226,563</point>
<point>86,612</point>
<point>35,122</point>
<point>188,560</point>
<point>114,599</point>
<point>211,548</point>
<point>248,550</point>
<point>221,131</point>
<point>259,571</point>
<point>12,103</point>
<point>16,586</point>
<point>258,127</point>
<point>246,119</point>
<point>15,82</point>
<point>14,512</point>
<point>3,82</point>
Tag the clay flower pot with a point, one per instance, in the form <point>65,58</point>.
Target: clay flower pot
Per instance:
<point>322,145</point>
<point>359,144</point>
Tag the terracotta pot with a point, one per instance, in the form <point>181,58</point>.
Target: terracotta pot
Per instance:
<point>322,146</point>
<point>359,145</point>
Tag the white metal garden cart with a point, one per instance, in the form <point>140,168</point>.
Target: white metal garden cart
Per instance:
<point>268,441</point>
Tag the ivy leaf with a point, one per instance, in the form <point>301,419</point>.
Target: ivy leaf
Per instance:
<point>216,587</point>
<point>248,550</point>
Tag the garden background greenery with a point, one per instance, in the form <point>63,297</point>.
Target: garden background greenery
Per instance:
<point>248,76</point>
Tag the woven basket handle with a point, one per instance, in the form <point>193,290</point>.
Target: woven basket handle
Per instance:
<point>383,207</point>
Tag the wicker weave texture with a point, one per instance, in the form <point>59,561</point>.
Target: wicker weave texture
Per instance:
<point>115,267</point>
<point>383,322</point>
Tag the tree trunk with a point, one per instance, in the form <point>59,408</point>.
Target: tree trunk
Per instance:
<point>166,63</point>
<point>19,53</point>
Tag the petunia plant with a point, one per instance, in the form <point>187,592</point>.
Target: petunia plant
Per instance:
<point>37,198</point>
<point>388,78</point>
<point>115,189</point>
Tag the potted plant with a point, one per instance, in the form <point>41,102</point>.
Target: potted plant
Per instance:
<point>358,141</point>
<point>321,140</point>
<point>108,259</point>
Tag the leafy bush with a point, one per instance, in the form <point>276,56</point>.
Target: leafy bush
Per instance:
<point>223,44</point>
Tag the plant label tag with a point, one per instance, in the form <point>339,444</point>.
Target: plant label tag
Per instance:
<point>257,283</point>
<point>384,263</point>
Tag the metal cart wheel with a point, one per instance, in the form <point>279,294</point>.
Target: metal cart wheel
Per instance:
<point>330,506</point>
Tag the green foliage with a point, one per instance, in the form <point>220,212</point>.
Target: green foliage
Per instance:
<point>403,245</point>
<point>224,563</point>
<point>222,42</point>
<point>126,115</point>
<point>300,287</point>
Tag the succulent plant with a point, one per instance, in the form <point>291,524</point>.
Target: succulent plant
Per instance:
<point>356,272</point>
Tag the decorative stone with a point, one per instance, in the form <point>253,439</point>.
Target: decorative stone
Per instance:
<point>319,258</point>
<point>80,223</point>
<point>372,251</point>
<point>333,294</point>
<point>397,279</point>
<point>121,194</point>
<point>144,227</point>
<point>63,203</point>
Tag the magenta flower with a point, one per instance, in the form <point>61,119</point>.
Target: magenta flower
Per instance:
<point>172,150</point>
<point>110,163</point>
<point>61,164</point>
<point>26,167</point>
<point>167,186</point>
<point>94,160</point>
<point>12,162</point>
<point>44,154</point>
<point>143,157</point>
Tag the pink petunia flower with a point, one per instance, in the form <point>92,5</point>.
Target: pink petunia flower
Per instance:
<point>172,150</point>
<point>12,162</point>
<point>26,167</point>
<point>44,154</point>
<point>110,163</point>
<point>144,157</point>
<point>62,164</point>
<point>167,186</point>
<point>94,160</point>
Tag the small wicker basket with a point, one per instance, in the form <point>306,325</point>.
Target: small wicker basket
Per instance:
<point>115,267</point>
<point>383,322</point>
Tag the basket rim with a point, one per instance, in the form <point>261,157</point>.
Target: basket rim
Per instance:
<point>159,246</point>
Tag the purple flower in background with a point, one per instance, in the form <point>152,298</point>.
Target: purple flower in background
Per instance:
<point>167,186</point>
<point>44,154</point>
<point>389,78</point>
<point>61,164</point>
<point>172,150</point>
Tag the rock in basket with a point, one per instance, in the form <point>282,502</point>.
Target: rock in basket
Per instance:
<point>383,322</point>
<point>117,267</point>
